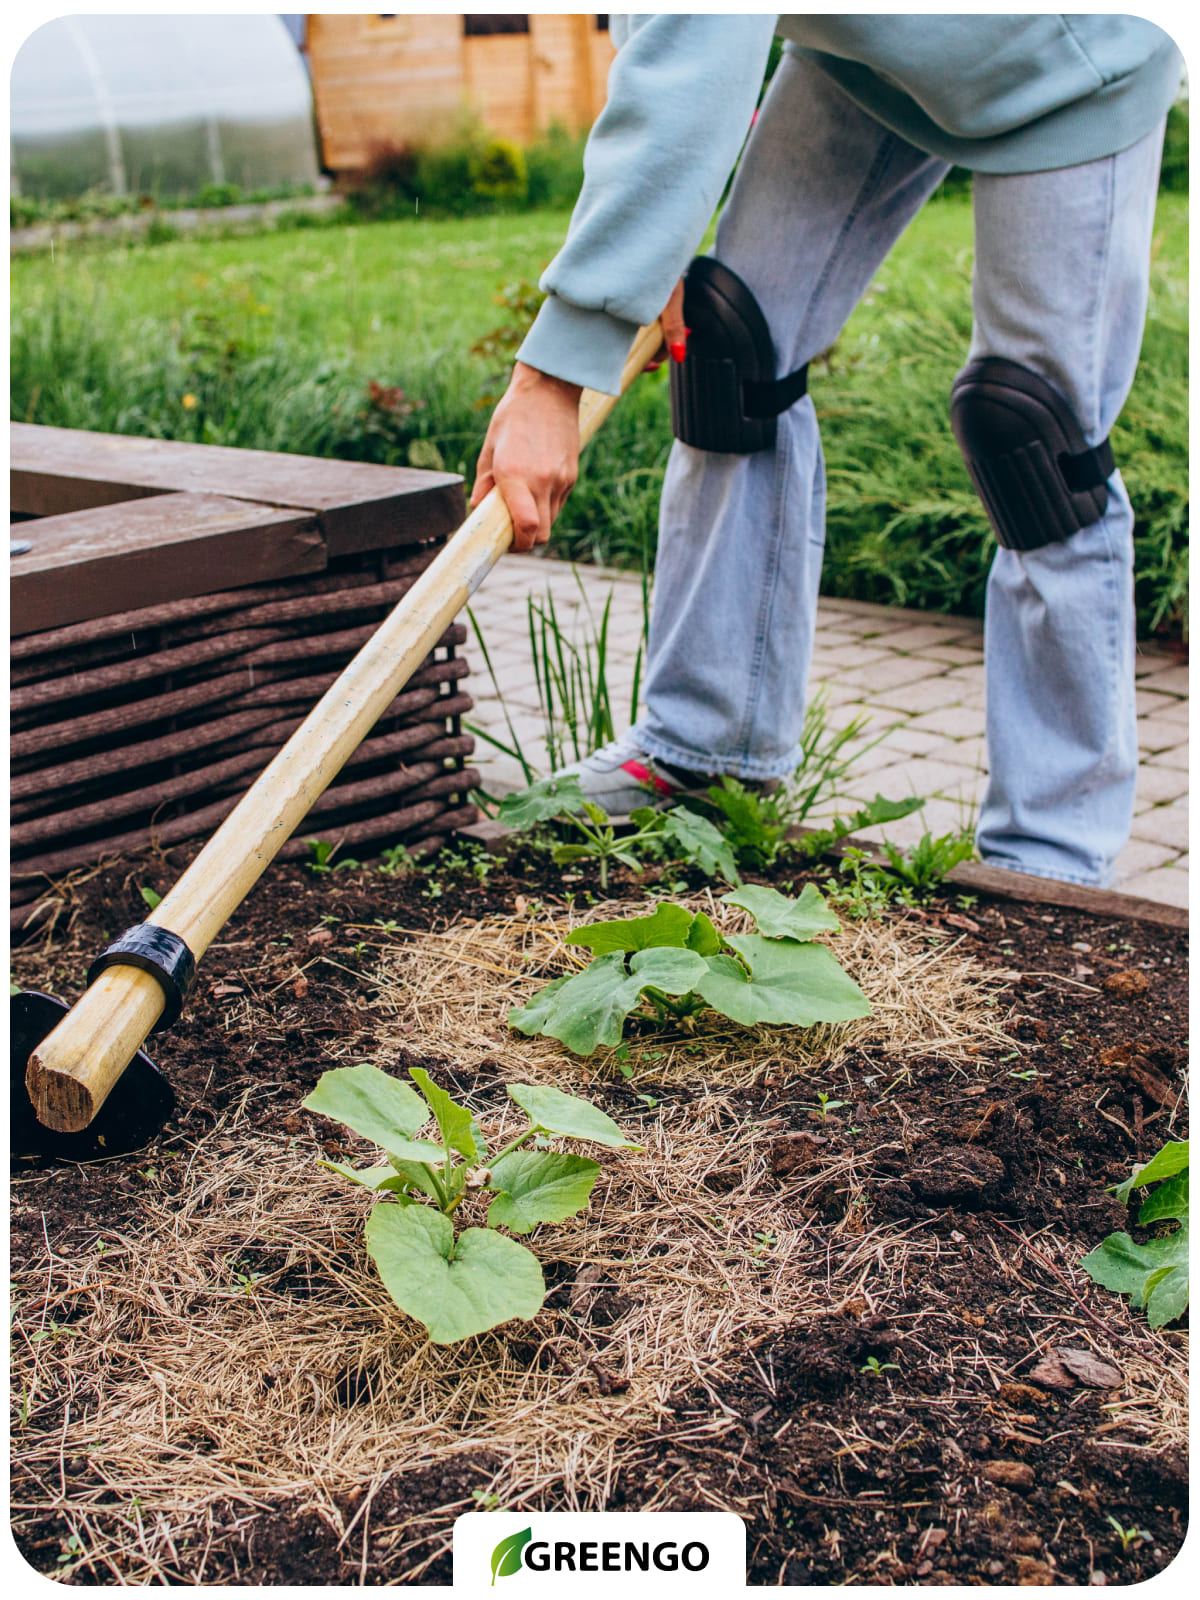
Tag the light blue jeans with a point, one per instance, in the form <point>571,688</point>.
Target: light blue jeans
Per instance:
<point>1060,285</point>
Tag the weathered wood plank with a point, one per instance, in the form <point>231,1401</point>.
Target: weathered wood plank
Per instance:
<point>231,690</point>
<point>359,505</point>
<point>432,747</point>
<point>175,829</point>
<point>86,564</point>
<point>335,590</point>
<point>40,783</point>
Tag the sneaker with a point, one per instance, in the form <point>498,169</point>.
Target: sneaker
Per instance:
<point>622,777</point>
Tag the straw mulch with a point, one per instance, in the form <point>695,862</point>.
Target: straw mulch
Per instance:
<point>239,1351</point>
<point>453,992</point>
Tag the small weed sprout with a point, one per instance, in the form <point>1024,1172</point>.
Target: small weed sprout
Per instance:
<point>866,887</point>
<point>320,857</point>
<point>72,1550</point>
<point>877,1368</point>
<point>825,1105</point>
<point>1129,1536</point>
<point>927,863</point>
<point>394,860</point>
<point>858,892</point>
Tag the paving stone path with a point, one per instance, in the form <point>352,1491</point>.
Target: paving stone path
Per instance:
<point>915,679</point>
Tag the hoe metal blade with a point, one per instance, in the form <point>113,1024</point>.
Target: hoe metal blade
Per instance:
<point>133,1113</point>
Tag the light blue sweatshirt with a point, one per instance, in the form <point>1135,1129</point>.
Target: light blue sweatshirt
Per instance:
<point>1012,93</point>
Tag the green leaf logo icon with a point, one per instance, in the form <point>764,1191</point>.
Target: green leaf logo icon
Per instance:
<point>506,1557</point>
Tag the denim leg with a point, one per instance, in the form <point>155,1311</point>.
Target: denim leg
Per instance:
<point>822,193</point>
<point>1060,285</point>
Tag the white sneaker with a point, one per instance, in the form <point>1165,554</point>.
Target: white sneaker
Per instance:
<point>621,777</point>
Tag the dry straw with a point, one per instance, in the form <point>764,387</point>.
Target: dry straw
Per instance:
<point>239,1353</point>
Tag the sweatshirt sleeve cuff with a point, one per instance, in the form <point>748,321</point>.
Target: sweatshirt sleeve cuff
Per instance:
<point>578,345</point>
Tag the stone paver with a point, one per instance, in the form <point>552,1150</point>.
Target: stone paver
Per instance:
<point>915,680</point>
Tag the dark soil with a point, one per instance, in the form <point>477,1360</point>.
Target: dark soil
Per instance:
<point>889,1443</point>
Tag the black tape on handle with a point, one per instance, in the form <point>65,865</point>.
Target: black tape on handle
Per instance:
<point>158,951</point>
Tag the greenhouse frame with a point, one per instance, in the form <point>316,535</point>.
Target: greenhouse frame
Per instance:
<point>161,106</point>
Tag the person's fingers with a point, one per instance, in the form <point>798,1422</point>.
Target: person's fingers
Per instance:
<point>531,523</point>
<point>483,473</point>
<point>483,485</point>
<point>674,332</point>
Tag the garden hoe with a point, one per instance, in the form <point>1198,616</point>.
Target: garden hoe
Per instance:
<point>81,1085</point>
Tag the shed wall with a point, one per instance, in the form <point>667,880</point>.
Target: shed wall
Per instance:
<point>383,81</point>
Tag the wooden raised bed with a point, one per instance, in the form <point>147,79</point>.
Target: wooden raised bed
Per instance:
<point>181,609</point>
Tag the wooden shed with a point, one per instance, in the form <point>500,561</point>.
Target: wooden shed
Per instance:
<point>382,81</point>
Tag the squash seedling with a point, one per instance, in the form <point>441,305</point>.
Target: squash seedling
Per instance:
<point>677,963</point>
<point>1154,1275</point>
<point>459,1284</point>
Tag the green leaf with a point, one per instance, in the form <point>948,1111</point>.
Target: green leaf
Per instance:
<point>703,938</point>
<point>415,1176</point>
<point>1170,1199</point>
<point>556,1112</point>
<point>626,858</point>
<point>151,896</point>
<point>584,1009</point>
<point>370,1102</point>
<point>564,854</point>
<point>415,1150</point>
<point>1168,1299</point>
<point>667,925</point>
<point>882,810</point>
<point>589,1008</point>
<point>1154,1275</point>
<point>555,796</point>
<point>454,1287</point>
<point>700,842</point>
<point>533,1187</point>
<point>793,983</point>
<point>454,1121</point>
<point>672,971</point>
<point>1172,1158</point>
<point>506,1557</point>
<point>369,1177</point>
<point>778,917</point>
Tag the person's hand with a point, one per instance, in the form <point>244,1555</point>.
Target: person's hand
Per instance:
<point>531,452</point>
<point>674,333</point>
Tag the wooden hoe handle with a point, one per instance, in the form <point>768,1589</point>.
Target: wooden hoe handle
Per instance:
<point>72,1071</point>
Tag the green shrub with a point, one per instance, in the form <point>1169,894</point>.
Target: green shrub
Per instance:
<point>469,173</point>
<point>555,169</point>
<point>219,194</point>
<point>498,171</point>
<point>1174,175</point>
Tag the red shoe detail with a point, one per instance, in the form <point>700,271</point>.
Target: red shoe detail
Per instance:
<point>642,774</point>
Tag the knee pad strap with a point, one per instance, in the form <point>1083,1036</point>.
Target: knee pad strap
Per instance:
<point>1035,473</point>
<point>724,394</point>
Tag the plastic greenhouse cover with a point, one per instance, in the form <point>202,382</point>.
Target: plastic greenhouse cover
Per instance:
<point>140,103</point>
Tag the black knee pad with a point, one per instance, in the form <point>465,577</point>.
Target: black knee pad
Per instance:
<point>1027,456</point>
<point>724,394</point>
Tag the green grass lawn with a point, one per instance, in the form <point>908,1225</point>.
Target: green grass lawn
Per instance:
<point>386,294</point>
<point>274,340</point>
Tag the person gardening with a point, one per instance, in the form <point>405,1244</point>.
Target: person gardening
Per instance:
<point>1060,119</point>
